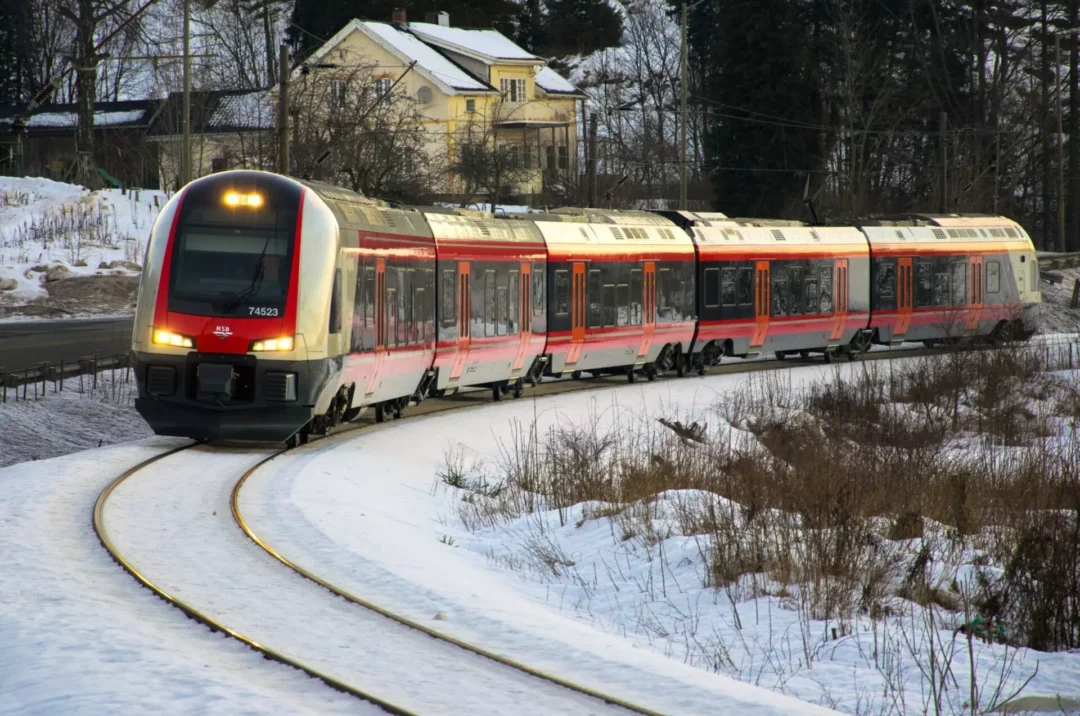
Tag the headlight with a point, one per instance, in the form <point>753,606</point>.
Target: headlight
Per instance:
<point>168,338</point>
<point>274,344</point>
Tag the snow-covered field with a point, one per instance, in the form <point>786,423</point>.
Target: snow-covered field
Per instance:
<point>50,231</point>
<point>86,413</point>
<point>370,514</point>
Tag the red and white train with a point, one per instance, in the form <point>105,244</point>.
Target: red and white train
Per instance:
<point>271,308</point>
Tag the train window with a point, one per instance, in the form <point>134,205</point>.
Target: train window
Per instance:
<point>993,276</point>
<point>712,287</point>
<point>663,294</point>
<point>489,303</point>
<point>419,315</point>
<point>409,301</point>
<point>924,283</point>
<point>502,305</point>
<point>780,305</point>
<point>391,309</point>
<point>449,297</point>
<point>811,296</point>
<point>959,283</point>
<point>825,288</point>
<point>885,279</point>
<point>635,297</point>
<point>941,288</point>
<point>369,297</point>
<point>335,303</point>
<point>796,280</point>
<point>622,292</point>
<point>728,295</point>
<point>609,305</point>
<point>746,287</point>
<point>514,297</point>
<point>537,292</point>
<point>562,293</point>
<point>594,295</point>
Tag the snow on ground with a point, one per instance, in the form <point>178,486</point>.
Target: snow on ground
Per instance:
<point>80,635</point>
<point>370,515</point>
<point>50,230</point>
<point>83,415</point>
<point>174,524</point>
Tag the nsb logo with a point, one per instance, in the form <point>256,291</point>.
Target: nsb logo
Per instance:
<point>223,332</point>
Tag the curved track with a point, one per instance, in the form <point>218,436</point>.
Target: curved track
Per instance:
<point>505,664</point>
<point>203,618</point>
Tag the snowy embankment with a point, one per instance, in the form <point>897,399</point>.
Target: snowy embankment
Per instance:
<point>66,251</point>
<point>568,590</point>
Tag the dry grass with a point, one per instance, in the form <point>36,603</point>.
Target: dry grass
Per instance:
<point>844,495</point>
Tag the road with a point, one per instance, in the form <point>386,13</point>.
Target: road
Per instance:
<point>28,344</point>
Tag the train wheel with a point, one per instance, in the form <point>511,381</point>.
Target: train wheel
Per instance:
<point>781,355</point>
<point>380,413</point>
<point>497,392</point>
<point>576,375</point>
<point>399,407</point>
<point>650,372</point>
<point>682,365</point>
<point>804,354</point>
<point>631,375</point>
<point>827,356</point>
<point>518,388</point>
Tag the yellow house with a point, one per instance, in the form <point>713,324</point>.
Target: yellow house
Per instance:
<point>468,85</point>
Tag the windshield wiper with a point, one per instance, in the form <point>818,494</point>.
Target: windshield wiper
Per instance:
<point>256,282</point>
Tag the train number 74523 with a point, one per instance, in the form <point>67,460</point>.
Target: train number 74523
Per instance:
<point>262,311</point>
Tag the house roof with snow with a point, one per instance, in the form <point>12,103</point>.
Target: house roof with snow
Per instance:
<point>450,57</point>
<point>216,112</point>
<point>59,119</point>
<point>448,75</point>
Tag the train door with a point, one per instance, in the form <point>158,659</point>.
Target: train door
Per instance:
<point>761,305</point>
<point>903,297</point>
<point>648,322</point>
<point>464,318</point>
<point>380,323</point>
<point>524,302</point>
<point>577,313</point>
<point>975,293</point>
<point>840,299</point>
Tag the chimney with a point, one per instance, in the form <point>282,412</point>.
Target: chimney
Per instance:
<point>399,16</point>
<point>431,18</point>
<point>444,19</point>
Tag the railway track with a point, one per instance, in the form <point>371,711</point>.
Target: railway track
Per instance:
<point>327,589</point>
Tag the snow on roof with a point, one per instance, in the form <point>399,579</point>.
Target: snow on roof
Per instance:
<point>70,119</point>
<point>427,58</point>
<point>551,81</point>
<point>490,43</point>
<point>253,110</point>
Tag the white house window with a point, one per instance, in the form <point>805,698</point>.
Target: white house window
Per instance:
<point>470,106</point>
<point>337,93</point>
<point>513,90</point>
<point>382,90</point>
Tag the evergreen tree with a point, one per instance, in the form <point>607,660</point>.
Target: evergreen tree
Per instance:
<point>531,32</point>
<point>313,22</point>
<point>579,27</point>
<point>16,51</point>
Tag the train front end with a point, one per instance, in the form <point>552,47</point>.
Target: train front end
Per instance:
<point>219,343</point>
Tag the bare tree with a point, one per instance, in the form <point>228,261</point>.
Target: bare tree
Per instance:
<point>353,130</point>
<point>484,162</point>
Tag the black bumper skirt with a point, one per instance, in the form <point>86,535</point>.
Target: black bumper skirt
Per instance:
<point>254,411</point>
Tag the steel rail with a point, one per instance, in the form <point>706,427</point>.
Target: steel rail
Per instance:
<point>405,621</point>
<point>557,389</point>
<point>203,618</point>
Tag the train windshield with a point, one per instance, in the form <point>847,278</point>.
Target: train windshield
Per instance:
<point>232,264</point>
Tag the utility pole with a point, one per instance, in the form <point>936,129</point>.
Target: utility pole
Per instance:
<point>592,160</point>
<point>682,110</point>
<point>185,159</point>
<point>943,133</point>
<point>283,111</point>
<point>1060,150</point>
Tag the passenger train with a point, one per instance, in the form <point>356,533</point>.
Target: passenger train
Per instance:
<point>272,308</point>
